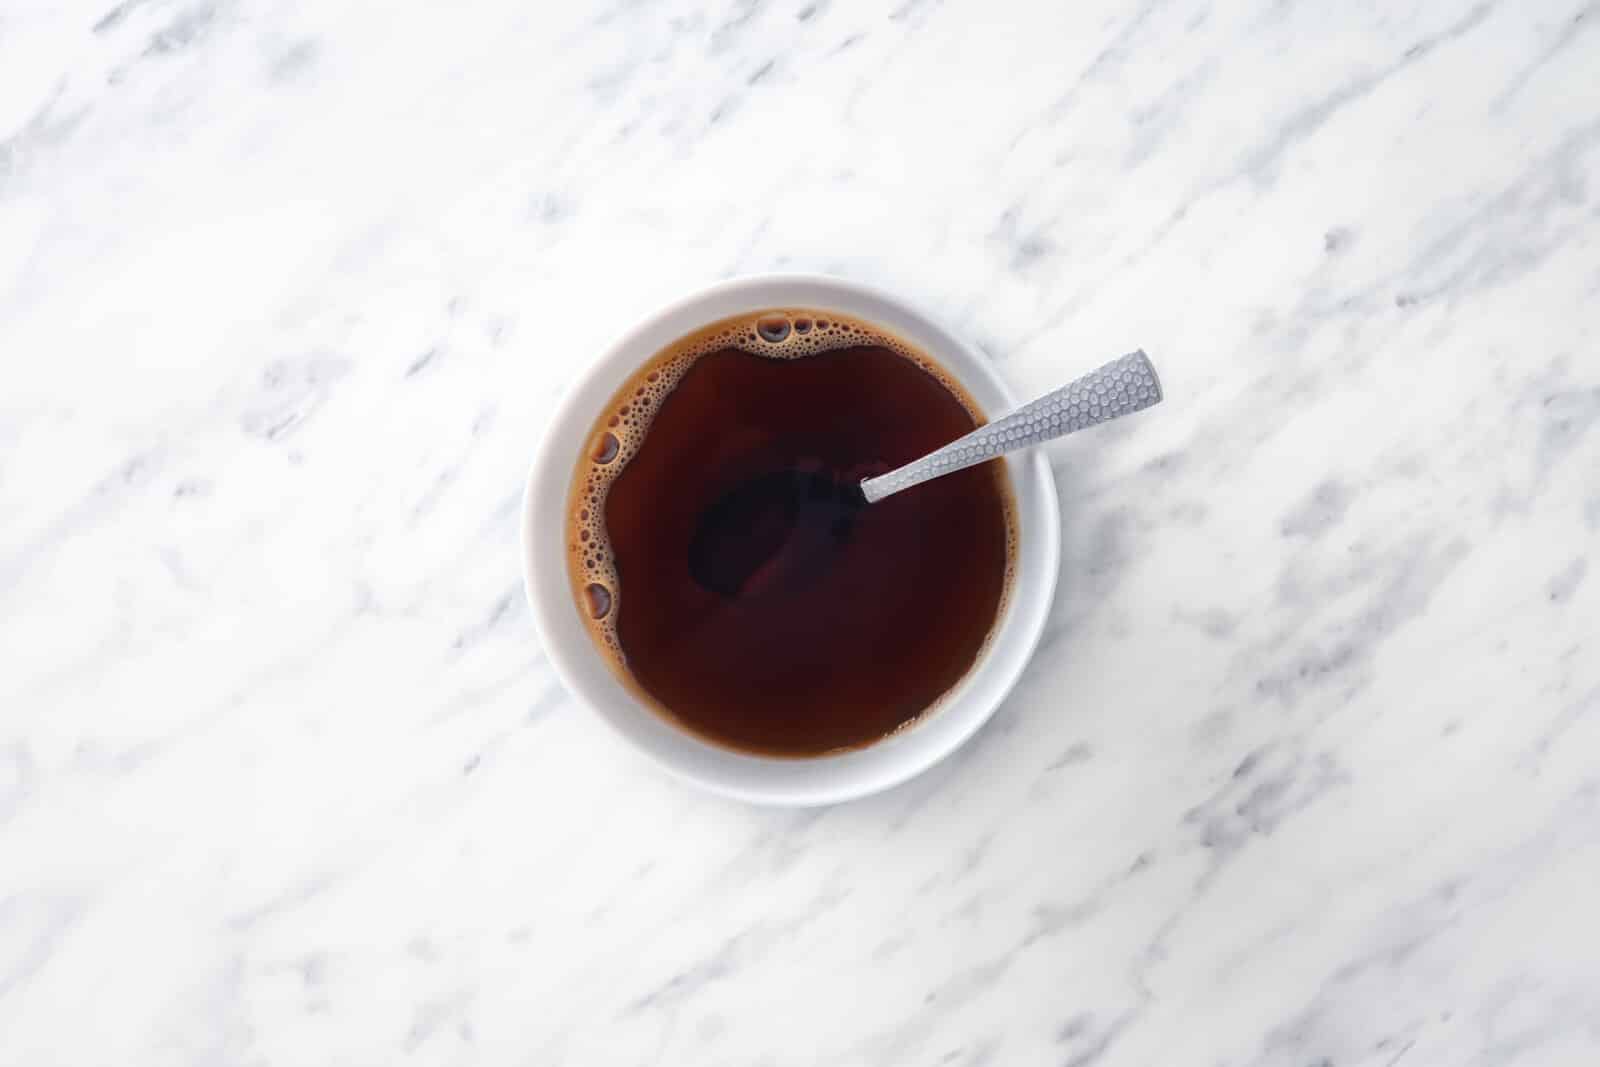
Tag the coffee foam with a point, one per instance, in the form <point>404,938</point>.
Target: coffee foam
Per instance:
<point>619,433</point>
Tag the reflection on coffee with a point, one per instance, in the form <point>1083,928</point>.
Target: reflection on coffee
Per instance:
<point>723,567</point>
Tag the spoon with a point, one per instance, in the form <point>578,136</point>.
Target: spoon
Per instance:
<point>767,525</point>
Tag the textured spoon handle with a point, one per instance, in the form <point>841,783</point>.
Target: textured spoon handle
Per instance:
<point>1121,387</point>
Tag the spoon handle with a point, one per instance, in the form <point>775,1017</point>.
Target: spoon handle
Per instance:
<point>1121,387</point>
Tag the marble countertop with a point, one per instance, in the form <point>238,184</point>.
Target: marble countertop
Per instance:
<point>1305,774</point>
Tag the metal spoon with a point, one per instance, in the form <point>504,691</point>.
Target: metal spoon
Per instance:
<point>780,522</point>
<point>1119,388</point>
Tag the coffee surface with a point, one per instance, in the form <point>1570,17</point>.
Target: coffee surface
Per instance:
<point>726,583</point>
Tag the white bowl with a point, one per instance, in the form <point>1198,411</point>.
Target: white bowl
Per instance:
<point>768,780</point>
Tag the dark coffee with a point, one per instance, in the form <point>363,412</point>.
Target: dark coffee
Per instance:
<point>725,562</point>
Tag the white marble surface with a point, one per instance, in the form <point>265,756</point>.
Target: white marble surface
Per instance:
<point>1307,773</point>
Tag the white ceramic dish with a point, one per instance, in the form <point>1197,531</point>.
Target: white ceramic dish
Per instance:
<point>825,779</point>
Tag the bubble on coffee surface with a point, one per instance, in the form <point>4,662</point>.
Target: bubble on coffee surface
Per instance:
<point>599,600</point>
<point>621,427</point>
